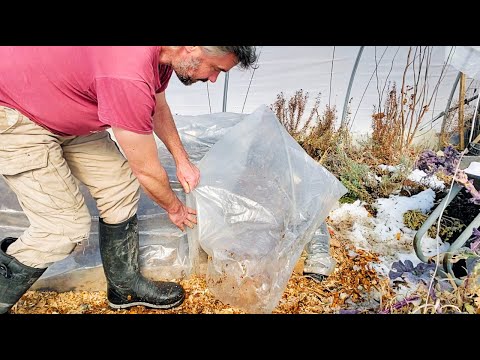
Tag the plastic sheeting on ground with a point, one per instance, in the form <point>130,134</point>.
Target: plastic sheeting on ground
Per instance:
<point>164,251</point>
<point>260,200</point>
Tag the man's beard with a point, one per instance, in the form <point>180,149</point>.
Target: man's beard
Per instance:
<point>184,67</point>
<point>185,80</point>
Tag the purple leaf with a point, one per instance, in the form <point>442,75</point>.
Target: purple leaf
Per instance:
<point>475,240</point>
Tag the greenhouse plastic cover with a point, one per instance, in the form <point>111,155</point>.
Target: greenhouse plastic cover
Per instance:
<point>259,202</point>
<point>466,59</point>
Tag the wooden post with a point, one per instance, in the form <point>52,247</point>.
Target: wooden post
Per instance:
<point>461,103</point>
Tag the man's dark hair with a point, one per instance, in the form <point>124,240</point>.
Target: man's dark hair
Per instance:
<point>246,55</point>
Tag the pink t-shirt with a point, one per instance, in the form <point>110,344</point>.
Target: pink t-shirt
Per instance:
<point>77,90</point>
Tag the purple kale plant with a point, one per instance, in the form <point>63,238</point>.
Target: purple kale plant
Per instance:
<point>429,162</point>
<point>451,158</point>
<point>422,273</point>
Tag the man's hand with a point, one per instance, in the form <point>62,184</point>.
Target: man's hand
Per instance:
<point>141,153</point>
<point>188,175</point>
<point>183,215</point>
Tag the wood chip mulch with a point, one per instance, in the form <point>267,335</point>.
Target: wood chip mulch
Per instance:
<point>352,285</point>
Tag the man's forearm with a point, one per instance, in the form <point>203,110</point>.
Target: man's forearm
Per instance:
<point>156,185</point>
<point>165,129</point>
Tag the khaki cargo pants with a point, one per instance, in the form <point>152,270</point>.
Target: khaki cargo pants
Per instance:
<point>43,169</point>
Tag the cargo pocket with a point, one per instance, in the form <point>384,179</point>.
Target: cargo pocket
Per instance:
<point>22,162</point>
<point>8,119</point>
<point>36,181</point>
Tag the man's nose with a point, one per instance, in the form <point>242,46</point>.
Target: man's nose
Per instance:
<point>214,76</point>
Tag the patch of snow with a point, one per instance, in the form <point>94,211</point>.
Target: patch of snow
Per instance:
<point>391,168</point>
<point>386,234</point>
<point>432,181</point>
<point>473,168</point>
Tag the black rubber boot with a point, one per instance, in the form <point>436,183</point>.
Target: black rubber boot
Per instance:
<point>126,286</point>
<point>15,277</point>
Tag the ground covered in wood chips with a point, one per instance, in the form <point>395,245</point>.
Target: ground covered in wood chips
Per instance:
<point>353,285</point>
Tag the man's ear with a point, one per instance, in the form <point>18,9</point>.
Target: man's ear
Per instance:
<point>190,48</point>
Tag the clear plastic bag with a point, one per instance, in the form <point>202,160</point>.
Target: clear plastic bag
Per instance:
<point>260,200</point>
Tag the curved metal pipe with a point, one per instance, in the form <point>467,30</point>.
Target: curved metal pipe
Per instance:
<point>352,76</point>
<point>417,240</point>
<point>447,108</point>
<point>225,91</point>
